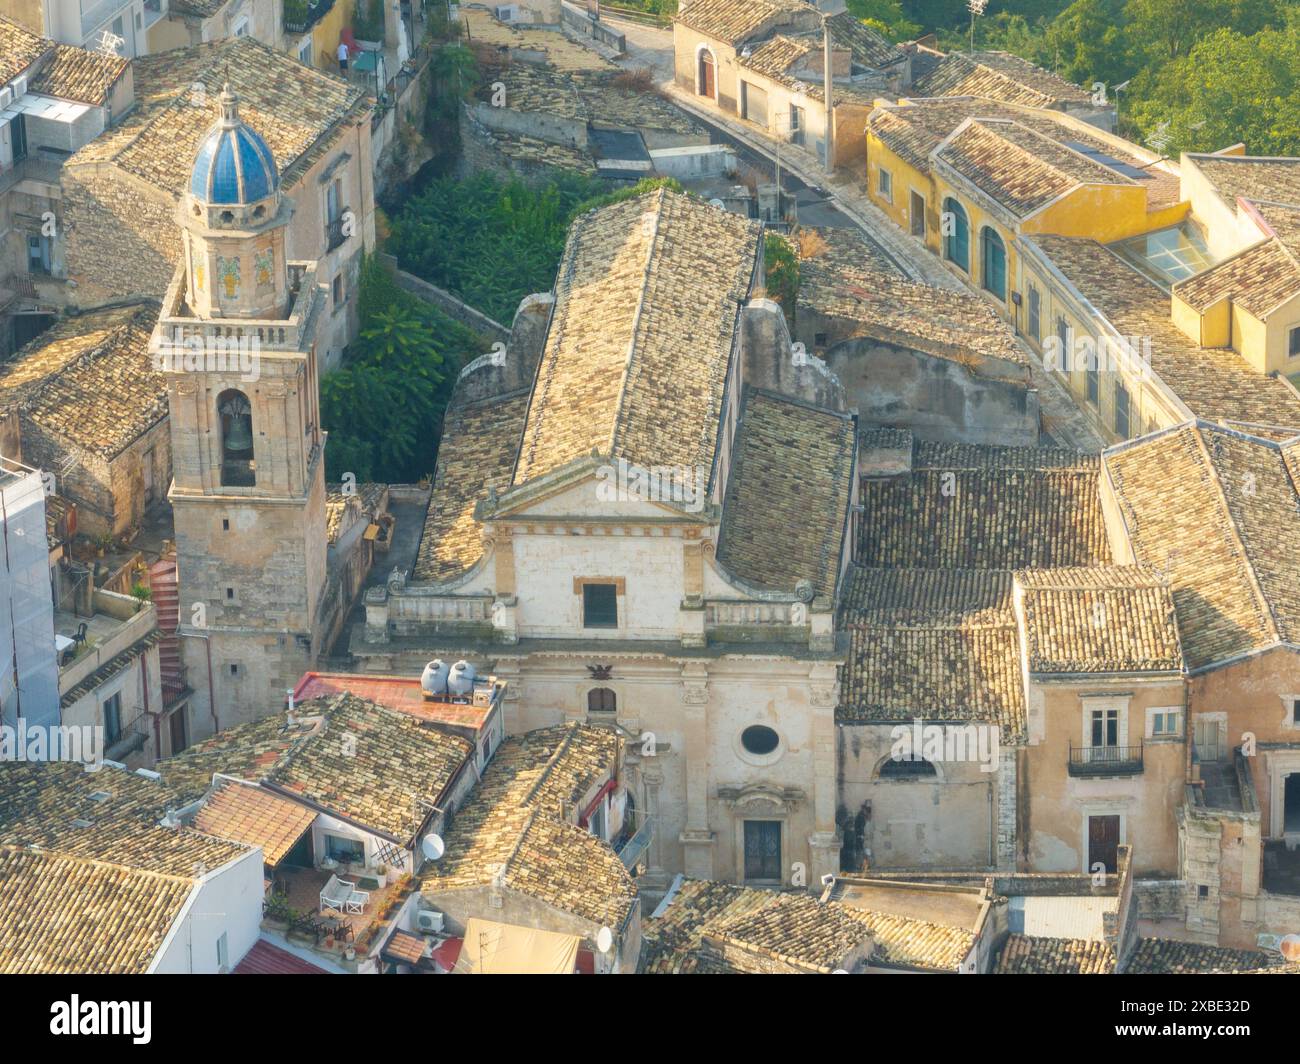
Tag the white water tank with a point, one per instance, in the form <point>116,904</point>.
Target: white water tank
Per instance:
<point>461,679</point>
<point>433,680</point>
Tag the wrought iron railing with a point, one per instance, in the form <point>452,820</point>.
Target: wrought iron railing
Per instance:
<point>633,848</point>
<point>1105,760</point>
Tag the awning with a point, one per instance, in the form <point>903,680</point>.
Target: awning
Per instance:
<point>507,949</point>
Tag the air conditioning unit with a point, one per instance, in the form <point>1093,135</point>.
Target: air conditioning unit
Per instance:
<point>507,13</point>
<point>1269,942</point>
<point>6,97</point>
<point>429,920</point>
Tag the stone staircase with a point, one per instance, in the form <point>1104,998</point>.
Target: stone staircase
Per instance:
<point>165,589</point>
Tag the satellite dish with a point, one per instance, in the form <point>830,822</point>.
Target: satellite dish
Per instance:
<point>717,203</point>
<point>604,939</point>
<point>433,847</point>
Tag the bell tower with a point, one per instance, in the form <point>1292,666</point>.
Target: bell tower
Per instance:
<point>236,343</point>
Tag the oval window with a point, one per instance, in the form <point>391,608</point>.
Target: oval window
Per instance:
<point>759,739</point>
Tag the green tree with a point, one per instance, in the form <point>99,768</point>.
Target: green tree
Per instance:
<point>782,265</point>
<point>1168,29</point>
<point>886,17</point>
<point>1230,87</point>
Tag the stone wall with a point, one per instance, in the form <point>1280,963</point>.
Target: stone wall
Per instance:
<point>445,301</point>
<point>936,398</point>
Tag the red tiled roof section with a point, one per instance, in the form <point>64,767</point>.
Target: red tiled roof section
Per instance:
<point>267,959</point>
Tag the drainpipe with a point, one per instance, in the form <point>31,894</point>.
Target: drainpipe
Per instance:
<point>830,105</point>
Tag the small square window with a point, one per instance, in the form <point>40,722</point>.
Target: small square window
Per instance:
<point>1164,723</point>
<point>599,606</point>
<point>225,524</point>
<point>230,594</point>
<point>1202,891</point>
<point>234,670</point>
<point>885,185</point>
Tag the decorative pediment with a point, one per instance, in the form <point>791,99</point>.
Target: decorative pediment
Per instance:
<point>761,798</point>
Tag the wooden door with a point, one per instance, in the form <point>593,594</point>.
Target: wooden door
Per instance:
<point>1103,842</point>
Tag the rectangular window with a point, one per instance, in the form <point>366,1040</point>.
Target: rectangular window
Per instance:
<point>1121,410</point>
<point>351,851</point>
<point>113,718</point>
<point>1094,381</point>
<point>1295,711</point>
<point>1035,311</point>
<point>918,215</point>
<point>1164,724</point>
<point>338,291</point>
<point>223,951</point>
<point>1293,342</point>
<point>885,185</point>
<point>1105,727</point>
<point>599,606</point>
<point>1064,362</point>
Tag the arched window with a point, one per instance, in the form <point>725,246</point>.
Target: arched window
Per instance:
<point>904,769</point>
<point>705,75</point>
<point>956,234</point>
<point>237,466</point>
<point>993,263</point>
<point>601,700</point>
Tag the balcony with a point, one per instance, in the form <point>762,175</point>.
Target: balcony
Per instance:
<point>1105,760</point>
<point>300,16</point>
<point>335,232</point>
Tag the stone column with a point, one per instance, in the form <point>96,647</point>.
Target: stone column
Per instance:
<point>697,839</point>
<point>824,842</point>
<point>654,879</point>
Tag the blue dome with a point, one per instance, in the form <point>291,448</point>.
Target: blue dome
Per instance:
<point>233,165</point>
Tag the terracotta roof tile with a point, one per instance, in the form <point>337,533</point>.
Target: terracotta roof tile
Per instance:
<point>1259,279</point>
<point>62,915</point>
<point>255,817</point>
<point>998,76</point>
<point>1159,956</point>
<point>1026,955</point>
<point>79,74</point>
<point>1104,619</point>
<point>670,941</point>
<point>19,48</point>
<point>731,21</point>
<point>647,302</point>
<point>480,442</point>
<point>795,929</point>
<point>788,494</point>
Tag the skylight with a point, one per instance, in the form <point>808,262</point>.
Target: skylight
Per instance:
<point>1167,255</point>
<point>1108,161</point>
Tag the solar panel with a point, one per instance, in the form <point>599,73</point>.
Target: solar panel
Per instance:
<point>1108,161</point>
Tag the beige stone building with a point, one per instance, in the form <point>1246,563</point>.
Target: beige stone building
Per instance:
<point>765,62</point>
<point>651,538</point>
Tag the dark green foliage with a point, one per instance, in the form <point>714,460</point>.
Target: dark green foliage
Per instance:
<point>782,265</point>
<point>383,408</point>
<point>489,242</point>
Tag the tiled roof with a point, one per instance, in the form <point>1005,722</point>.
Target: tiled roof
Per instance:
<point>1104,619</point>
<point>774,56</point>
<point>731,21</point>
<point>1020,168</point>
<point>796,929</point>
<point>963,672</point>
<point>670,942</point>
<point>90,379</point>
<point>866,46</point>
<point>511,829</point>
<point>970,507</point>
<point>1159,956</point>
<point>636,357</point>
<point>920,597</point>
<point>353,757</point>
<point>911,943</point>
<point>914,128</point>
<point>1217,513</point>
<point>266,958</point>
<point>1214,383</point>
<point>297,109</point>
<point>1252,177</point>
<point>1259,280</point>
<point>19,48</point>
<point>63,915</point>
<point>197,8</point>
<point>480,442</point>
<point>1027,955</point>
<point>255,817</point>
<point>112,815</point>
<point>80,74</point>
<point>998,76</point>
<point>788,495</point>
<point>841,275</point>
